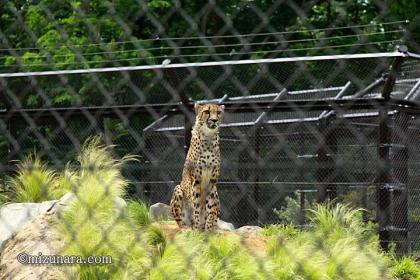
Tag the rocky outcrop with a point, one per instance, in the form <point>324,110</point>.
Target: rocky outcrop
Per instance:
<point>225,225</point>
<point>35,236</point>
<point>162,211</point>
<point>256,230</point>
<point>29,228</point>
<point>15,215</point>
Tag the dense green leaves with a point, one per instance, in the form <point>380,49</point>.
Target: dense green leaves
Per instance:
<point>66,34</point>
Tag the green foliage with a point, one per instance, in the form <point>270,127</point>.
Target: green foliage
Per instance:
<point>156,238</point>
<point>75,34</point>
<point>194,255</point>
<point>281,230</point>
<point>405,268</point>
<point>292,213</point>
<point>91,225</point>
<point>335,247</point>
<point>340,220</point>
<point>138,211</point>
<point>35,182</point>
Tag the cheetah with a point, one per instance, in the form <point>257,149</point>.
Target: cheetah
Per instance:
<point>195,201</point>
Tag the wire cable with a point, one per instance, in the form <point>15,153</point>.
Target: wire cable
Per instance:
<point>201,55</point>
<point>217,46</point>
<point>214,36</point>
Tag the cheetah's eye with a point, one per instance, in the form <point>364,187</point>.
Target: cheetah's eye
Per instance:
<point>219,112</point>
<point>207,112</point>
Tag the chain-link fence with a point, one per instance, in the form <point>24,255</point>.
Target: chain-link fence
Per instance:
<point>321,108</point>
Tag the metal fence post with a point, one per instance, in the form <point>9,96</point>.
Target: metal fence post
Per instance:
<point>384,186</point>
<point>400,195</point>
<point>244,174</point>
<point>255,174</point>
<point>382,191</point>
<point>325,160</point>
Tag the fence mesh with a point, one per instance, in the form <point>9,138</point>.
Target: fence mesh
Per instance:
<point>321,110</point>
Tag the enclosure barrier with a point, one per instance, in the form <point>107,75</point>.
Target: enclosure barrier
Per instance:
<point>321,109</point>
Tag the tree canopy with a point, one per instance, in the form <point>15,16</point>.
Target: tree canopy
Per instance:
<point>68,34</point>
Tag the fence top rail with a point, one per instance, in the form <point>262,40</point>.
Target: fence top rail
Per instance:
<point>236,107</point>
<point>204,64</point>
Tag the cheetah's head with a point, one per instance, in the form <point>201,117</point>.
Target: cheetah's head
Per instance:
<point>209,116</point>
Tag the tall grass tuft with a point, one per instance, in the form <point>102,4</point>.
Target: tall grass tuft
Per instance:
<point>195,255</point>
<point>405,268</point>
<point>138,211</point>
<point>341,221</point>
<point>281,230</point>
<point>92,226</point>
<point>34,181</point>
<point>338,246</point>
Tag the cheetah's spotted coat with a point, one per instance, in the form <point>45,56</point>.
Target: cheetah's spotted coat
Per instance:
<point>195,201</point>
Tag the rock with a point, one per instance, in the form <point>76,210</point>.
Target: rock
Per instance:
<point>14,215</point>
<point>67,199</point>
<point>37,235</point>
<point>249,230</point>
<point>120,204</point>
<point>163,211</point>
<point>160,211</point>
<point>63,202</point>
<point>225,225</point>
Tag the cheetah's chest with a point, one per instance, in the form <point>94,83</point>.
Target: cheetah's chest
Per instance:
<point>206,163</point>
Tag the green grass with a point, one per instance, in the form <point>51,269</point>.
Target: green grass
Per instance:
<point>405,268</point>
<point>138,211</point>
<point>281,230</point>
<point>35,182</point>
<point>194,255</point>
<point>92,225</point>
<point>337,246</point>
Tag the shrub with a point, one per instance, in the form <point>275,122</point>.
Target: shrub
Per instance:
<point>92,226</point>
<point>196,255</point>
<point>34,181</point>
<point>5,194</point>
<point>337,246</point>
<point>284,231</point>
<point>138,211</point>
<point>405,268</point>
<point>290,214</point>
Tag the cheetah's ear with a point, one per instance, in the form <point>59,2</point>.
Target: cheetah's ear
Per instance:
<point>222,107</point>
<point>196,107</point>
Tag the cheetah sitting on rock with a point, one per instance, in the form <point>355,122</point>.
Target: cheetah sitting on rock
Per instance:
<point>195,201</point>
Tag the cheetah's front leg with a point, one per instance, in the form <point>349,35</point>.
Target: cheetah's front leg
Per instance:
<point>196,205</point>
<point>176,206</point>
<point>212,207</point>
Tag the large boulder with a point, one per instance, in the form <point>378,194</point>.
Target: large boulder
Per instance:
<point>35,236</point>
<point>225,225</point>
<point>14,215</point>
<point>256,230</point>
<point>160,211</point>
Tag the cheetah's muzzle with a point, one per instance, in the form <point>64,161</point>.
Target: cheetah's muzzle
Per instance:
<point>211,125</point>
